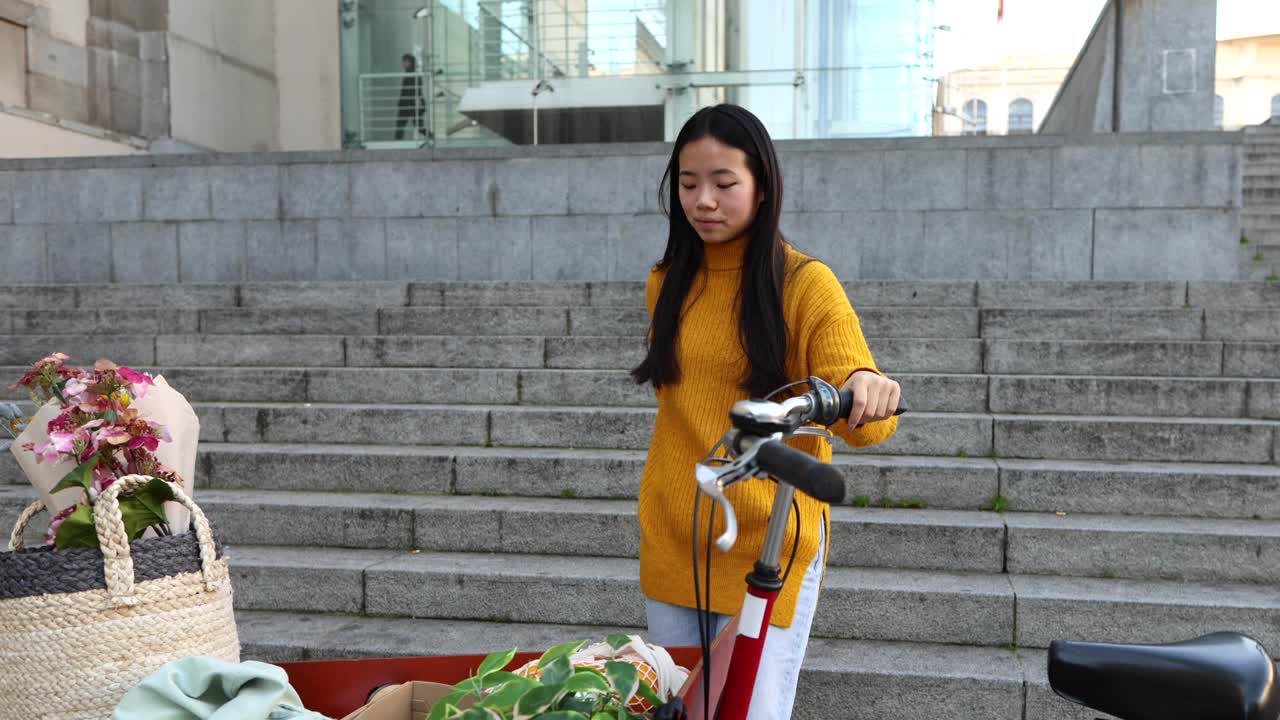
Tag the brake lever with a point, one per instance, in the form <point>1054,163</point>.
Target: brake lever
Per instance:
<point>713,481</point>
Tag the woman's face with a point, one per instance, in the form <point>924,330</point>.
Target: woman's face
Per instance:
<point>717,190</point>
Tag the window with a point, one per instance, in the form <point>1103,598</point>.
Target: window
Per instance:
<point>1021,120</point>
<point>13,64</point>
<point>975,117</point>
<point>1217,112</point>
<point>1275,107</point>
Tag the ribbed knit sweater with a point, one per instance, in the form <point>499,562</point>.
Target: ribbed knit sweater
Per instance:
<point>824,339</point>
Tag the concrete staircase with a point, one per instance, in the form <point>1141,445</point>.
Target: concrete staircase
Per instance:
<point>446,467</point>
<point>1260,218</point>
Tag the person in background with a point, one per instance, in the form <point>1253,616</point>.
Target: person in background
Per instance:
<point>412,105</point>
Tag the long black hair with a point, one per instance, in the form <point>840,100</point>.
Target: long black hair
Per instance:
<point>761,328</point>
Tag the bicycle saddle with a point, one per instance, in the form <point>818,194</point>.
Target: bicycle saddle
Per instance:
<point>1222,676</point>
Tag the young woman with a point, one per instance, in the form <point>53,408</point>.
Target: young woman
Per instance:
<point>736,312</point>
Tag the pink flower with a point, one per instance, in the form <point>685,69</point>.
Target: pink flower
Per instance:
<point>144,441</point>
<point>63,442</point>
<point>160,431</point>
<point>139,381</point>
<point>103,478</point>
<point>74,388</point>
<point>56,523</point>
<point>113,434</point>
<point>46,452</point>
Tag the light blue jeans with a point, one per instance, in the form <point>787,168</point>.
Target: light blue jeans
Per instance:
<point>784,648</point>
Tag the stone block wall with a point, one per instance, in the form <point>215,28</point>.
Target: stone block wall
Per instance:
<point>1139,206</point>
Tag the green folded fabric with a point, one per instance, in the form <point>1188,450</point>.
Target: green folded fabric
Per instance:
<point>202,688</point>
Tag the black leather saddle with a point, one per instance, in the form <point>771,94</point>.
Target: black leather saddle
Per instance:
<point>1223,676</point>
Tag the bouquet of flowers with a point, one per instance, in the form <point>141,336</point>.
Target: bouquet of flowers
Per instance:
<point>92,427</point>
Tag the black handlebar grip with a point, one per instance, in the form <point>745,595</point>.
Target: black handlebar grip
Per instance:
<point>846,404</point>
<point>802,471</point>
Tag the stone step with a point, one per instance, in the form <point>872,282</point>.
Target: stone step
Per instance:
<point>1133,358</point>
<point>947,393</point>
<point>1234,551</point>
<point>1234,295</point>
<point>856,604</point>
<point>1199,490</point>
<point>951,483</point>
<point>1076,324</point>
<point>1119,438</point>
<point>1267,239</point>
<point>1037,543</point>
<point>862,537</point>
<point>1159,489</point>
<point>921,433</point>
<point>467,321</point>
<point>1084,545</point>
<point>1081,294</point>
<point>839,679</point>
<point>1260,216</point>
<point>1140,611</point>
<point>374,294</point>
<point>1115,395</point>
<point>1256,193</point>
<point>878,322</point>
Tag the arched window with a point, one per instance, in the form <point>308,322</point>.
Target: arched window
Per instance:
<point>975,117</point>
<point>1217,112</point>
<point>1021,121</point>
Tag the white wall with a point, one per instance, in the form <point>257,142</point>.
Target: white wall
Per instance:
<point>307,58</point>
<point>22,137</point>
<point>222,74</point>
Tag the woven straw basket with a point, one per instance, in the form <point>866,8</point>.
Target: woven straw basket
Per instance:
<point>79,628</point>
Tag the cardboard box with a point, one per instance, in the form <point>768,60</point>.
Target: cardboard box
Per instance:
<point>410,701</point>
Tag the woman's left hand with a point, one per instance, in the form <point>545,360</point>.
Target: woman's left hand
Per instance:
<point>875,397</point>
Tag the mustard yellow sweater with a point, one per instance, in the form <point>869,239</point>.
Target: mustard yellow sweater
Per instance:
<point>825,339</point>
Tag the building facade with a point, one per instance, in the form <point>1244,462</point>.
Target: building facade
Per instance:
<point>489,71</point>
<point>1012,97</point>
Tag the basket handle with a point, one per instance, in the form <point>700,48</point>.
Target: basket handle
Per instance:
<point>113,540</point>
<point>16,540</point>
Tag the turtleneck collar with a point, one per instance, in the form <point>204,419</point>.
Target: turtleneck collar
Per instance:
<point>725,255</point>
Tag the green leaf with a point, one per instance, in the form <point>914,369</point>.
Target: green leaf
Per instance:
<point>155,494</point>
<point>617,641</point>
<point>564,650</point>
<point>584,703</point>
<point>470,686</point>
<point>77,531</point>
<point>81,477</point>
<point>138,517</point>
<point>557,672</point>
<point>455,697</point>
<point>588,670</point>
<point>602,716</point>
<point>443,710</point>
<point>647,692</point>
<point>587,682</point>
<point>495,662</point>
<point>506,695</point>
<point>476,713</point>
<point>494,679</point>
<point>538,699</point>
<point>563,715</point>
<point>624,678</point>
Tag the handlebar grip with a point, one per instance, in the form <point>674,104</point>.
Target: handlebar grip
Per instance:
<point>802,471</point>
<point>846,404</point>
